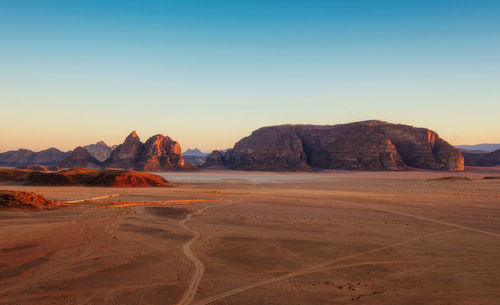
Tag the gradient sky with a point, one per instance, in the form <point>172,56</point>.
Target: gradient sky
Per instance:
<point>207,73</point>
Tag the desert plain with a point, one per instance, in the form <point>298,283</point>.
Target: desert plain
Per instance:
<point>229,237</point>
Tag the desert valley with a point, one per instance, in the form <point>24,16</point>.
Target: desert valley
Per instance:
<point>325,152</point>
<point>363,213</point>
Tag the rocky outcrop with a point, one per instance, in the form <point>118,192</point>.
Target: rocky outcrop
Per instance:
<point>158,153</point>
<point>24,157</point>
<point>80,158</point>
<point>82,176</point>
<point>368,145</point>
<point>91,177</point>
<point>216,158</point>
<point>24,200</point>
<point>482,159</point>
<point>126,155</point>
<point>219,158</point>
<point>100,150</point>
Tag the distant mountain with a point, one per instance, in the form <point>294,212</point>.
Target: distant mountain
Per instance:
<point>194,153</point>
<point>195,156</point>
<point>24,157</point>
<point>485,147</point>
<point>80,158</point>
<point>100,150</point>
<point>482,159</point>
<point>470,151</point>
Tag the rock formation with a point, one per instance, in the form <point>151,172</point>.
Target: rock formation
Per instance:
<point>216,158</point>
<point>368,145</point>
<point>24,157</point>
<point>15,199</point>
<point>82,176</point>
<point>126,155</point>
<point>219,158</point>
<point>100,150</point>
<point>80,158</point>
<point>158,153</point>
<point>482,159</point>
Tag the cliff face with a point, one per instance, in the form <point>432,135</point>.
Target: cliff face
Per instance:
<point>369,145</point>
<point>158,153</point>
<point>126,155</point>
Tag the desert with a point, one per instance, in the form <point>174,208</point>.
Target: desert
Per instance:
<point>230,237</point>
<point>249,152</point>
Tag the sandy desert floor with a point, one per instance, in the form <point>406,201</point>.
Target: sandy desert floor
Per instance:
<point>332,237</point>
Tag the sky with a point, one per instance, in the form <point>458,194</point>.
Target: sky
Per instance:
<point>207,73</point>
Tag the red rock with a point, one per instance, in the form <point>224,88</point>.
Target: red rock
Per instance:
<point>83,177</point>
<point>368,145</point>
<point>158,153</point>
<point>14,199</point>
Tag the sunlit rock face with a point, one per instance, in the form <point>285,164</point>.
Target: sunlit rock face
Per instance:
<point>368,145</point>
<point>158,153</point>
<point>80,158</point>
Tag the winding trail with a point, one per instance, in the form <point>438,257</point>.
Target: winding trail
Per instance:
<point>199,270</point>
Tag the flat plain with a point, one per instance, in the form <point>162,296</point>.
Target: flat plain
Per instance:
<point>331,237</point>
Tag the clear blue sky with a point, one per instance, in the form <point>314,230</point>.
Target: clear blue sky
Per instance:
<point>207,73</point>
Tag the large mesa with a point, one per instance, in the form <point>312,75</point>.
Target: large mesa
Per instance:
<point>367,145</point>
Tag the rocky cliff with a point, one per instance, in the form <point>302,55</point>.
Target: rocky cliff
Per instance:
<point>158,153</point>
<point>126,155</point>
<point>80,158</point>
<point>368,145</point>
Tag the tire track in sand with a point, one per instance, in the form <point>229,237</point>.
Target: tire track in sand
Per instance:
<point>313,269</point>
<point>199,271</point>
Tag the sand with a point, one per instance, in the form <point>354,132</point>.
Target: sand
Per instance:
<point>333,237</point>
